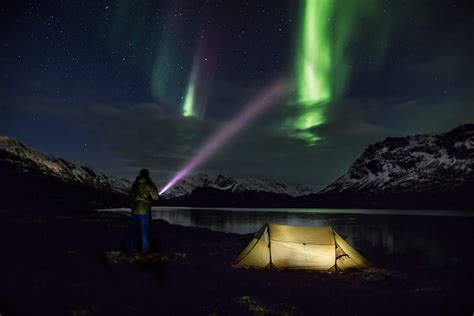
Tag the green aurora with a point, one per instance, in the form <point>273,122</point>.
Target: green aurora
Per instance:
<point>188,105</point>
<point>320,63</point>
<point>151,38</point>
<point>166,83</point>
<point>200,82</point>
<point>320,66</point>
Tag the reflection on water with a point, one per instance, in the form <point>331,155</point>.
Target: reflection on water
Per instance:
<point>387,239</point>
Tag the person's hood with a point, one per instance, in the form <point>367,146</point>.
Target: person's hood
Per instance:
<point>141,179</point>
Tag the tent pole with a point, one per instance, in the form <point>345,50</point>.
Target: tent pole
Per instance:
<point>335,250</point>
<point>269,246</point>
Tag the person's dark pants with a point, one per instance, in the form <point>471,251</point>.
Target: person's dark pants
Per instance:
<point>144,221</point>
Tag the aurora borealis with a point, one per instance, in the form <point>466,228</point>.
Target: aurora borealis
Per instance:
<point>200,80</point>
<point>133,84</point>
<point>188,105</point>
<point>313,60</point>
<point>320,62</point>
<point>313,67</point>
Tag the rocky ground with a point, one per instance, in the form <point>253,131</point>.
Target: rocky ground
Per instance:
<point>62,263</point>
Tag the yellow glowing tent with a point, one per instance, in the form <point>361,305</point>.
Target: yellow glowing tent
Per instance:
<point>300,247</point>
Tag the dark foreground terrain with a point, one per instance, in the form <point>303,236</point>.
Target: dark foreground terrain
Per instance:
<point>54,263</point>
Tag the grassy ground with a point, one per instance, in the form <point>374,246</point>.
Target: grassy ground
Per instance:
<point>54,263</point>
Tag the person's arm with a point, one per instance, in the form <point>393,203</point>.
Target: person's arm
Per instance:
<point>154,192</point>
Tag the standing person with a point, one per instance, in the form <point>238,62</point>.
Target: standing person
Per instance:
<point>142,194</point>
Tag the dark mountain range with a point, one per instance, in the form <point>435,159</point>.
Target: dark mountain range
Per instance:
<point>421,171</point>
<point>214,197</point>
<point>30,177</point>
<point>185,186</point>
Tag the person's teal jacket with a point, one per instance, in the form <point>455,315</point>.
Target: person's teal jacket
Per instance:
<point>142,195</point>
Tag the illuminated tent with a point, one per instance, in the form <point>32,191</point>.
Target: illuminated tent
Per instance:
<point>300,247</point>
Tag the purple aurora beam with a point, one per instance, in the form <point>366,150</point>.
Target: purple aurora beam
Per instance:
<point>263,101</point>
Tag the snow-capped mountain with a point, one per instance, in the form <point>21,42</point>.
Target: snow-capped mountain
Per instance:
<point>27,160</point>
<point>434,164</point>
<point>230,184</point>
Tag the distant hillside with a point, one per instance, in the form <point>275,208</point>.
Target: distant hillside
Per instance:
<point>29,176</point>
<point>214,197</point>
<point>236,185</point>
<point>421,171</point>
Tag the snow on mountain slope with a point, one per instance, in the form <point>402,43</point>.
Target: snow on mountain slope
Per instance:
<point>27,159</point>
<point>186,186</point>
<point>413,163</point>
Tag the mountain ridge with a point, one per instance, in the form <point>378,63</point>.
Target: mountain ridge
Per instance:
<point>420,171</point>
<point>32,176</point>
<point>185,186</point>
<point>399,162</point>
<point>424,170</point>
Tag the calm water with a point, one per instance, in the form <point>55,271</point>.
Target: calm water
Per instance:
<point>413,239</point>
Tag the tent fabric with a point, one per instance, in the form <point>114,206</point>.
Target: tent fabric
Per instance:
<point>353,258</point>
<point>300,256</point>
<point>300,247</point>
<point>302,234</point>
<point>257,253</point>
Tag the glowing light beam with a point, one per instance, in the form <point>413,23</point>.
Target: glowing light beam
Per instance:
<point>254,108</point>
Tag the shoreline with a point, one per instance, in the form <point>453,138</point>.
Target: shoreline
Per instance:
<point>375,212</point>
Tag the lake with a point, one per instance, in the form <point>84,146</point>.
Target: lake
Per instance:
<point>402,238</point>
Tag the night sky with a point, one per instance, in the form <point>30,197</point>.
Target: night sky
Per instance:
<point>122,85</point>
